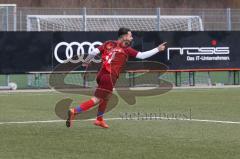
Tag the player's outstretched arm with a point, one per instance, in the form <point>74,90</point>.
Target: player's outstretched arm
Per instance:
<point>90,56</point>
<point>147,54</point>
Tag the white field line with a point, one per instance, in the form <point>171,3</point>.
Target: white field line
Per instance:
<point>126,119</point>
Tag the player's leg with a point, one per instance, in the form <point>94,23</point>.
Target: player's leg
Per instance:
<point>101,109</point>
<point>104,92</point>
<point>86,105</point>
<point>81,108</point>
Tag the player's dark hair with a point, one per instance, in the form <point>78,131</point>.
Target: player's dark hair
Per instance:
<point>123,31</point>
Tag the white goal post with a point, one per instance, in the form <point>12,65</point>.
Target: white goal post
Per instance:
<point>8,17</point>
<point>113,22</point>
<point>8,22</point>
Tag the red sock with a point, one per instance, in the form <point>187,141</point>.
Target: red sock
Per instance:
<point>85,106</point>
<point>101,109</point>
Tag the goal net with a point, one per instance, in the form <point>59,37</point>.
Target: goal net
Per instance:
<point>113,22</point>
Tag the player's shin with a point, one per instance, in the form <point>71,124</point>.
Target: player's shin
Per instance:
<point>86,105</point>
<point>101,109</point>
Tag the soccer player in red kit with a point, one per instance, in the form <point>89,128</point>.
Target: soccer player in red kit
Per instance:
<point>114,56</point>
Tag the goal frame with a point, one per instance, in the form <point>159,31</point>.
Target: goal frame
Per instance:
<point>7,16</point>
<point>84,17</point>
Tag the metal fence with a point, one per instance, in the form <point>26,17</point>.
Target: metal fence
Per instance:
<point>213,19</point>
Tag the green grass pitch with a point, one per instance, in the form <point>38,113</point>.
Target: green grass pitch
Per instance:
<point>125,139</point>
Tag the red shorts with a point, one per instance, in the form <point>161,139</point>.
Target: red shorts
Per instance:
<point>106,82</point>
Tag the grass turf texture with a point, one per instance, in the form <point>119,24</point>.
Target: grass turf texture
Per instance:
<point>171,139</point>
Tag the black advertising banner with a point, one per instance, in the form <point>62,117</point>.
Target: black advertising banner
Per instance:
<point>22,52</point>
<point>203,50</point>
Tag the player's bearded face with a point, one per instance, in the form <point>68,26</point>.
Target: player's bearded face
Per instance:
<point>127,39</point>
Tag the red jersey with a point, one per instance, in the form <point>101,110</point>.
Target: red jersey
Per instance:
<point>115,56</point>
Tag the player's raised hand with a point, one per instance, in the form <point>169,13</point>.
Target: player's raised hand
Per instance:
<point>162,46</point>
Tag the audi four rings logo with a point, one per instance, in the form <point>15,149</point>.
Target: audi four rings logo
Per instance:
<point>79,52</point>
